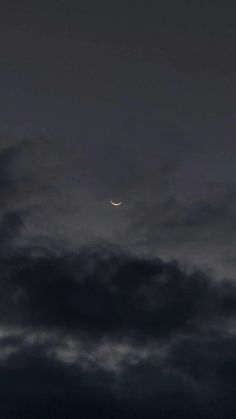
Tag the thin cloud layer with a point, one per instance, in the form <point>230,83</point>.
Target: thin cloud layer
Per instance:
<point>64,192</point>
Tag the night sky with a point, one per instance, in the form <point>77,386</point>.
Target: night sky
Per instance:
<point>129,311</point>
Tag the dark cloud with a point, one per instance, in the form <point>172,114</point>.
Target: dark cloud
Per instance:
<point>41,387</point>
<point>7,179</point>
<point>118,296</point>
<point>104,333</point>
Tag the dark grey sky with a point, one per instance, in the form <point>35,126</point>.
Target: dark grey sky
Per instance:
<point>126,102</point>
<point>133,102</point>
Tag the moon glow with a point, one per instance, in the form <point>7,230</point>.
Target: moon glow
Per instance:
<point>116,204</point>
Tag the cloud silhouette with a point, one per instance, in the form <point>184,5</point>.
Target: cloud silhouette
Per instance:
<point>104,333</point>
<point>119,295</point>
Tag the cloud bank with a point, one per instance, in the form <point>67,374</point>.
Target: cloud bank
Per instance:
<point>102,333</point>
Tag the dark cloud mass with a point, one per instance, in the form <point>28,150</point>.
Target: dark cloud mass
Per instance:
<point>115,297</point>
<point>103,333</point>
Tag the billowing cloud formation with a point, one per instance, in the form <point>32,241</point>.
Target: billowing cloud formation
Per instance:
<point>111,295</point>
<point>101,333</point>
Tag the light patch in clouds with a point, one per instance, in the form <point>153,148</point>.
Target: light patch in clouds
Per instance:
<point>110,356</point>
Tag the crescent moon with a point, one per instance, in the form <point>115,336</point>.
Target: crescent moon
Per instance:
<point>116,204</point>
